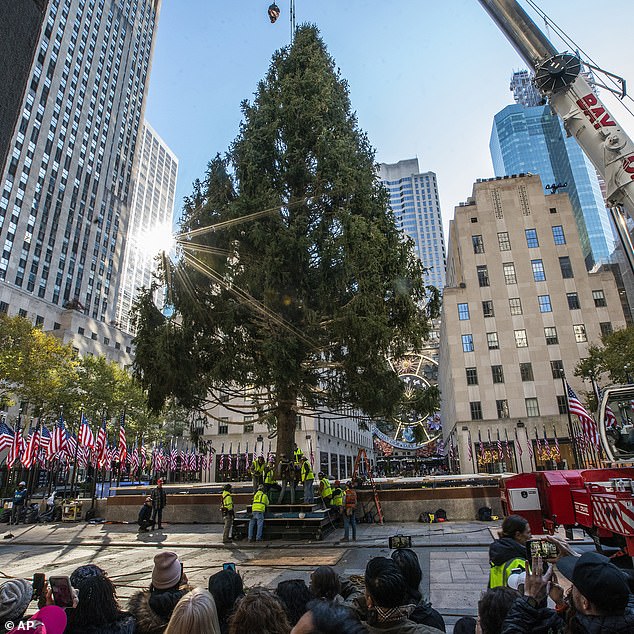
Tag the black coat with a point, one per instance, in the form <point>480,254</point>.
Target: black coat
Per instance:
<point>159,498</point>
<point>505,549</point>
<point>145,514</point>
<point>125,624</point>
<point>424,614</point>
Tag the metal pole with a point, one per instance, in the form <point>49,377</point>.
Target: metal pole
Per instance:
<point>573,443</point>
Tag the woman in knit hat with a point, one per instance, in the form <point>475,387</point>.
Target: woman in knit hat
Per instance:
<point>152,609</point>
<point>15,596</point>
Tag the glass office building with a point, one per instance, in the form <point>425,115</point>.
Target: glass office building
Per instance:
<point>65,186</point>
<point>532,139</point>
<point>414,201</point>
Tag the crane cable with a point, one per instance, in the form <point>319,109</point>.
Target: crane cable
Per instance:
<point>568,41</point>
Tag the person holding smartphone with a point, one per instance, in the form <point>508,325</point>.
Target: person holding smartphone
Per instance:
<point>507,554</point>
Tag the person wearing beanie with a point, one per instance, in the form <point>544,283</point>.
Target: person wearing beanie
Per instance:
<point>15,596</point>
<point>145,516</point>
<point>152,608</point>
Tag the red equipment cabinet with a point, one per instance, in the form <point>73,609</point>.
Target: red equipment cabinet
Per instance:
<point>519,496</point>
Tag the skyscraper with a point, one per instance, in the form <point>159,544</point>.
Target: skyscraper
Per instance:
<point>529,138</point>
<point>65,186</point>
<point>414,201</point>
<point>150,218</point>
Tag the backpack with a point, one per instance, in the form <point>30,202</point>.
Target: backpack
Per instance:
<point>484,514</point>
<point>441,515</point>
<point>427,517</point>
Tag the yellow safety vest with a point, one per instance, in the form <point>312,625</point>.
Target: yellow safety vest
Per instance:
<point>298,453</point>
<point>326,489</point>
<point>257,468</point>
<point>227,501</point>
<point>307,472</point>
<point>260,501</point>
<point>499,575</point>
<point>269,476</point>
<point>337,497</point>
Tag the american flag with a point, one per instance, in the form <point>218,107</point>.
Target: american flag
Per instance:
<point>556,441</point>
<point>173,459</point>
<point>134,459</point>
<point>587,422</point>
<point>45,442</point>
<point>101,444</point>
<point>143,456</point>
<point>70,446</point>
<point>529,444</point>
<point>32,445</point>
<point>546,445</point>
<point>58,441</point>
<point>499,445</point>
<point>470,448</point>
<point>86,437</point>
<point>6,435</point>
<point>507,446</point>
<point>123,448</point>
<point>17,447</point>
<point>610,418</point>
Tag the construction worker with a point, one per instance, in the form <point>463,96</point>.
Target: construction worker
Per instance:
<point>287,476</point>
<point>308,480</point>
<point>349,513</point>
<point>257,472</point>
<point>298,453</point>
<point>325,490</point>
<point>270,481</point>
<point>337,497</point>
<point>258,508</point>
<point>227,512</point>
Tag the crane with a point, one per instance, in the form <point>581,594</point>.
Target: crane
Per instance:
<point>559,79</point>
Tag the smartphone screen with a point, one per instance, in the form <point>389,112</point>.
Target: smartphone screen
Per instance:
<point>541,547</point>
<point>38,585</point>
<point>229,566</point>
<point>62,591</point>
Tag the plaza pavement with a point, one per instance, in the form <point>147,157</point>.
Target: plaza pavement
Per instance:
<point>453,555</point>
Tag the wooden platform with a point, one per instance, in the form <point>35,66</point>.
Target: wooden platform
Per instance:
<point>282,521</point>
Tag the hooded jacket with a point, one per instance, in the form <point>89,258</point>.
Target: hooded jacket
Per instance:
<point>504,549</point>
<point>153,609</point>
<point>523,618</point>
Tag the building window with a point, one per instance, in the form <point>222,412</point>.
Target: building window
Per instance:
<point>502,408</point>
<point>526,371</point>
<point>106,341</point>
<point>22,312</point>
<point>557,369</point>
<point>492,340</point>
<point>463,312</point>
<point>487,308</point>
<point>553,210</point>
<point>544,304</point>
<point>573,301</point>
<point>538,270</point>
<point>478,244</point>
<point>520,339</point>
<point>531,238</point>
<point>472,376</point>
<point>566,267</point>
<point>509,273</point>
<point>558,235</point>
<point>606,328</point>
<point>497,373</point>
<point>128,349</point>
<point>515,304</point>
<point>580,333</point>
<point>503,241</point>
<point>483,276</point>
<point>4,308</point>
<point>39,321</point>
<point>80,330</point>
<point>223,429</point>
<point>56,326</point>
<point>532,407</point>
<point>476,410</point>
<point>599,298</point>
<point>474,219</point>
<point>93,336</point>
<point>467,343</point>
<point>550,332</point>
<point>117,345</point>
<point>562,404</point>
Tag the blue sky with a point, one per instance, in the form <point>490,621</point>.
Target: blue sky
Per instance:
<point>425,77</point>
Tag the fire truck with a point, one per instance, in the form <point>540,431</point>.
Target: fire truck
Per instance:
<point>600,501</point>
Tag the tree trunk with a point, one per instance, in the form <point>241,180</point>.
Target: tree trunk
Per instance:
<point>286,426</point>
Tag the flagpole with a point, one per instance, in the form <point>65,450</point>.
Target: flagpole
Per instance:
<point>530,450</point>
<point>573,443</point>
<point>73,479</point>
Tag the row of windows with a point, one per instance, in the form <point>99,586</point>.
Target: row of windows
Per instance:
<point>532,241</point>
<point>525,369</point>
<point>544,302</point>
<point>537,267</point>
<point>502,407</point>
<point>521,338</point>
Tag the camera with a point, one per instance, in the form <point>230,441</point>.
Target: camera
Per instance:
<point>400,541</point>
<point>542,548</point>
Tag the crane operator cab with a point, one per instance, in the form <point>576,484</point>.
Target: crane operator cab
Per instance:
<point>616,423</point>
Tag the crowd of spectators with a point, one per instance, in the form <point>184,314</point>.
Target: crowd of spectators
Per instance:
<point>387,599</point>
